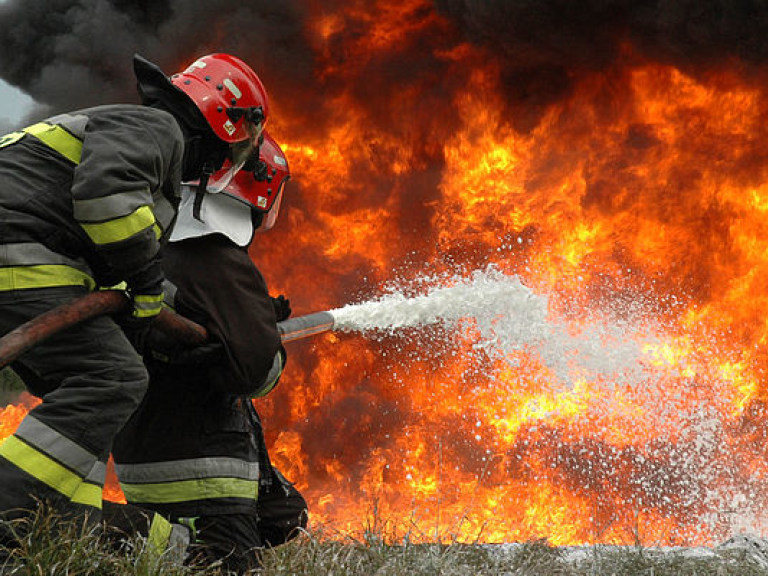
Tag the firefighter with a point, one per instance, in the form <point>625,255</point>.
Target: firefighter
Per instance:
<point>194,450</point>
<point>85,200</point>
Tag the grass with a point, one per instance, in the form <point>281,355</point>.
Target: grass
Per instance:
<point>311,555</point>
<point>52,547</point>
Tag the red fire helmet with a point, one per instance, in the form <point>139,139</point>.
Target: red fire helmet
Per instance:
<point>228,93</point>
<point>262,188</point>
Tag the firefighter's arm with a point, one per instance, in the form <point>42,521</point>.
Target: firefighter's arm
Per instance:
<point>273,377</point>
<point>220,288</point>
<point>126,157</point>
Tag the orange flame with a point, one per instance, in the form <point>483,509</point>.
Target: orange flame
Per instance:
<point>637,201</point>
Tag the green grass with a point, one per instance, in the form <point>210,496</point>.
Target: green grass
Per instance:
<point>51,547</point>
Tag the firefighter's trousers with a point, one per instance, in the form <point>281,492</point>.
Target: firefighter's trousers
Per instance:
<point>235,539</point>
<point>90,380</point>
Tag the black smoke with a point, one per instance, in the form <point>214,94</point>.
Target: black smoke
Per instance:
<point>544,45</point>
<point>74,53</point>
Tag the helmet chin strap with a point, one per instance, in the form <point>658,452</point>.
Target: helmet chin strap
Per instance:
<point>202,186</point>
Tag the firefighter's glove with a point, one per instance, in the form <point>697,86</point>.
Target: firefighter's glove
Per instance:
<point>282,307</point>
<point>145,290</point>
<point>205,355</point>
<point>164,348</point>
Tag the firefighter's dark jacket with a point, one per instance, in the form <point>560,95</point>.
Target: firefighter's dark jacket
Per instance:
<point>86,196</point>
<point>193,447</point>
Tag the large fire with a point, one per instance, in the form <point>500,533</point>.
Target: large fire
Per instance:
<point>638,200</point>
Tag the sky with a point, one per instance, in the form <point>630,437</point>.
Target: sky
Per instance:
<point>13,103</point>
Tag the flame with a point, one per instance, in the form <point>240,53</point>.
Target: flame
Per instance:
<point>637,200</point>
<point>12,415</point>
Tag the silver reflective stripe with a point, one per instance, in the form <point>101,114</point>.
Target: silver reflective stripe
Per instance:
<point>275,371</point>
<point>176,470</point>
<point>271,381</point>
<point>150,306</point>
<point>109,207</point>
<point>164,212</point>
<point>98,474</point>
<point>33,254</point>
<point>58,447</point>
<point>169,294</point>
<point>72,123</point>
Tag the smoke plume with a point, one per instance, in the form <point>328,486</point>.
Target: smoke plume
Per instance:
<point>73,53</point>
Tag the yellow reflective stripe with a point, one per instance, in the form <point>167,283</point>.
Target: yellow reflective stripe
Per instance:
<point>88,494</point>
<point>274,373</point>
<point>11,138</point>
<point>43,276</point>
<point>159,535</point>
<point>59,139</point>
<point>120,228</point>
<point>158,231</point>
<point>50,472</point>
<point>188,490</point>
<point>146,305</point>
<point>122,286</point>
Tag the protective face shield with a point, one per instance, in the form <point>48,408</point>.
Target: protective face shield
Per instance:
<point>239,154</point>
<point>262,188</point>
<point>249,203</point>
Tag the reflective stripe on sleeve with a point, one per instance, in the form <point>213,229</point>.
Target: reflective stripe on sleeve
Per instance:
<point>109,207</point>
<point>146,306</point>
<point>120,229</point>
<point>272,378</point>
<point>165,214</point>
<point>169,294</point>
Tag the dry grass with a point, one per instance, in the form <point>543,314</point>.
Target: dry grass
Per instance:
<point>51,547</point>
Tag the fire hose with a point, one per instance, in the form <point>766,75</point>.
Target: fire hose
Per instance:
<point>187,332</point>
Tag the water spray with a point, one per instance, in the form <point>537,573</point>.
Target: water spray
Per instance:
<point>503,315</point>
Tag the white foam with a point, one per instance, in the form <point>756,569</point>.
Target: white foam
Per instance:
<point>504,316</point>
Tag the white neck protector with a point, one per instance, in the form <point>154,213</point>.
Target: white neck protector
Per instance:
<point>219,214</point>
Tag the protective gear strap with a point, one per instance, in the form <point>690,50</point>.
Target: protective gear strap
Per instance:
<point>201,190</point>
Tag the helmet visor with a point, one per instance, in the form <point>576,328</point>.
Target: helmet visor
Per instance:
<point>270,217</point>
<point>240,152</point>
